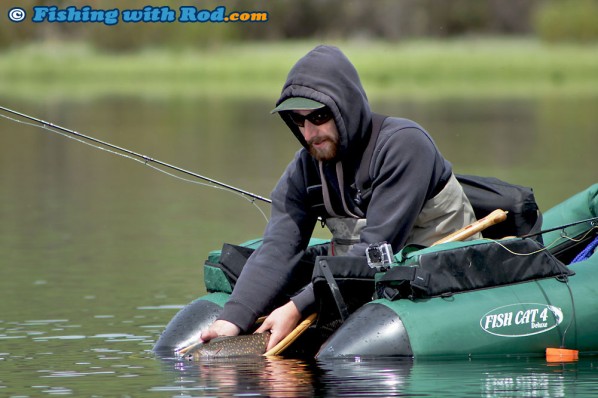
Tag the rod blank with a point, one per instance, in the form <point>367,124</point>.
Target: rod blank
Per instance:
<point>146,159</point>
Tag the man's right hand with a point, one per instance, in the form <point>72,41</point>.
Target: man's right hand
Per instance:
<point>220,328</point>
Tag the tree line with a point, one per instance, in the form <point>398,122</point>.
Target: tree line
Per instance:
<point>391,20</point>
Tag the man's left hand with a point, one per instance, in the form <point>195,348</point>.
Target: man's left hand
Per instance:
<point>280,323</point>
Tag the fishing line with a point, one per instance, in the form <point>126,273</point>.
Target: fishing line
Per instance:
<point>572,315</point>
<point>563,235</point>
<point>145,160</point>
<point>562,278</point>
<point>546,247</point>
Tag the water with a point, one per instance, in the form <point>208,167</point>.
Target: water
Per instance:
<point>98,252</point>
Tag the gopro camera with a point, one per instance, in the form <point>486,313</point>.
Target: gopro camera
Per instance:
<point>379,255</point>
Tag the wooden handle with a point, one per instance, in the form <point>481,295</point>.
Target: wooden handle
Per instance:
<point>284,343</point>
<point>495,217</point>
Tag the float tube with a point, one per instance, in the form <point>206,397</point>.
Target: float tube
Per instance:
<point>551,306</point>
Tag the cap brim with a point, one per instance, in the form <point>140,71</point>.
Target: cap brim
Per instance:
<point>297,104</point>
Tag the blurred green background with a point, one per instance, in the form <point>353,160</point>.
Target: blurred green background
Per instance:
<point>403,48</point>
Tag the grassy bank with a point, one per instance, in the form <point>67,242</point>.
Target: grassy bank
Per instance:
<point>412,69</point>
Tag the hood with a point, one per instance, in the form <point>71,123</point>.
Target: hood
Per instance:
<point>326,75</point>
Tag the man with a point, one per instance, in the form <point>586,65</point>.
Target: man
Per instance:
<point>408,195</point>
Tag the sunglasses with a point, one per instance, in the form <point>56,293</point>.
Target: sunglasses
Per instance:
<point>317,117</point>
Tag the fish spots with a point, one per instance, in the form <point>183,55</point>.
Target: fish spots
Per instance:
<point>231,346</point>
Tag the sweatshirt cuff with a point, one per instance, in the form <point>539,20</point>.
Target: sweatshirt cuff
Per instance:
<point>238,314</point>
<point>305,300</point>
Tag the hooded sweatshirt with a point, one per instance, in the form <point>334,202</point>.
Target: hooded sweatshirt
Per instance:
<point>406,170</point>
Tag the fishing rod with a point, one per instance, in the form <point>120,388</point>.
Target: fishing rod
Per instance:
<point>129,154</point>
<point>593,222</point>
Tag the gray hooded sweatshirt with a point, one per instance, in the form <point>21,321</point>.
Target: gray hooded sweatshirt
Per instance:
<point>406,170</point>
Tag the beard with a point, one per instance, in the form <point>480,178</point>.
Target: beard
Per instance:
<point>323,148</point>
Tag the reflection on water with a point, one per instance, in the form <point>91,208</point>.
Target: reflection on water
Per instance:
<point>98,253</point>
<point>262,376</point>
<point>379,378</point>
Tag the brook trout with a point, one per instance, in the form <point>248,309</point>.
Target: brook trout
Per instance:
<point>231,346</point>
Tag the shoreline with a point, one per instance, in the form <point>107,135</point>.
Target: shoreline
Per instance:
<point>416,70</point>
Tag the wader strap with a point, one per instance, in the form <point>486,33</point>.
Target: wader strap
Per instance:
<point>336,293</point>
<point>341,184</point>
<point>326,192</point>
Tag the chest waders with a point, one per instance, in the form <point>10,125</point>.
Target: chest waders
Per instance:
<point>446,212</point>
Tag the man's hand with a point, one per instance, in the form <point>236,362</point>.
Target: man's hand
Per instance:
<point>220,328</point>
<point>280,323</point>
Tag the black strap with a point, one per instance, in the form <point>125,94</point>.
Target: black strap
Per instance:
<point>399,274</point>
<point>336,293</point>
<point>363,174</point>
<point>417,277</point>
<point>396,283</point>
